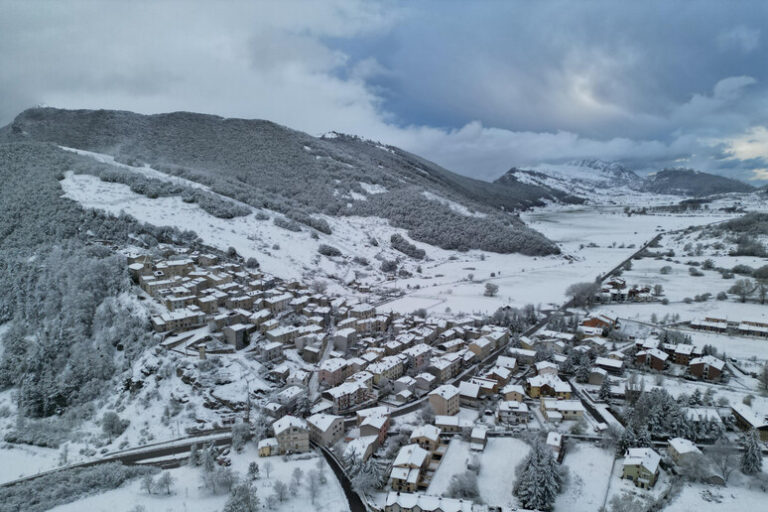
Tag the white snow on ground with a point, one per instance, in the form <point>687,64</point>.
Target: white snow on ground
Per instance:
<point>373,188</point>
<point>145,170</point>
<point>498,462</point>
<point>454,462</point>
<point>296,252</point>
<point>189,496</point>
<point>708,498</point>
<point>530,280</point>
<point>453,205</point>
<point>589,469</point>
<point>27,460</point>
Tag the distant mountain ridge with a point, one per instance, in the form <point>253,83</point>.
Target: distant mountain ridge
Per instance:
<point>688,182</point>
<point>593,179</point>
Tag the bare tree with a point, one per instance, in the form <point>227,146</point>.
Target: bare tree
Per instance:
<point>491,289</point>
<point>165,482</point>
<point>267,468</point>
<point>743,288</point>
<point>148,483</point>
<point>583,294</point>
<point>313,484</point>
<point>281,490</point>
<point>723,457</point>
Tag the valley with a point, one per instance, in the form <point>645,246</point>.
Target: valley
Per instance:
<point>366,355</point>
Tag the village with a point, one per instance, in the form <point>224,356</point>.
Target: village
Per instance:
<point>408,395</point>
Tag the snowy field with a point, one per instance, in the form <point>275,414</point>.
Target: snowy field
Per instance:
<point>498,462</point>
<point>27,460</point>
<point>707,498</point>
<point>454,462</point>
<point>444,283</point>
<point>189,495</point>
<point>589,470</point>
<point>543,280</point>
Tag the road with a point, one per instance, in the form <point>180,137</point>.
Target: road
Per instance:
<point>141,454</point>
<point>356,503</point>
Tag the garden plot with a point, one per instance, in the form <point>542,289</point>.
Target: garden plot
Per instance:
<point>498,463</point>
<point>589,472</point>
<point>618,486</point>
<point>454,462</point>
<point>707,498</point>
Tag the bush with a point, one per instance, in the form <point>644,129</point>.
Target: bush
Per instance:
<point>722,296</point>
<point>491,289</point>
<point>399,243</point>
<point>388,266</point>
<point>288,224</point>
<point>51,490</point>
<point>743,270</point>
<point>666,269</point>
<point>328,250</point>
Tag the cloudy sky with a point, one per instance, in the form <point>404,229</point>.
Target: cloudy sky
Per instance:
<point>478,86</point>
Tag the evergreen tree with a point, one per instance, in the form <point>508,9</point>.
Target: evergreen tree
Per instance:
<point>583,368</point>
<point>605,389</point>
<point>194,456</point>
<point>539,480</point>
<point>209,460</point>
<point>243,498</point>
<point>752,456</point>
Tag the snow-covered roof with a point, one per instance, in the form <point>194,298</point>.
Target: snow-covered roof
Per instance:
<point>287,422</point>
<point>469,389</point>
<point>268,442</point>
<point>446,391</point>
<point>749,415</point>
<point>410,456</point>
<point>709,361</point>
<point>322,421</point>
<point>609,362</point>
<point>430,432</point>
<point>550,380</point>
<point>357,447</point>
<point>682,445</point>
<point>506,362</point>
<point>555,439</point>
<point>644,457</point>
<point>513,406</point>
<point>512,388</point>
<point>333,364</point>
<point>427,503</point>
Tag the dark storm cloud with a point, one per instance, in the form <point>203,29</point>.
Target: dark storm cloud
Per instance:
<point>478,87</point>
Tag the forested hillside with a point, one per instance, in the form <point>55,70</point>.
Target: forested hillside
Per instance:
<point>73,322</point>
<point>267,165</point>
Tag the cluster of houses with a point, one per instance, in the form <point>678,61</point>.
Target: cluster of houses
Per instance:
<point>616,290</point>
<point>722,326</point>
<point>657,356</point>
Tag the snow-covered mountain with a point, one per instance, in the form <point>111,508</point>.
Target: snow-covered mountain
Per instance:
<point>588,179</point>
<point>294,175</point>
<point>607,182</point>
<point>687,182</point>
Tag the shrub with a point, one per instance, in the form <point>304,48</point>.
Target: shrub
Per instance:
<point>388,266</point>
<point>399,243</point>
<point>328,250</point>
<point>288,224</point>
